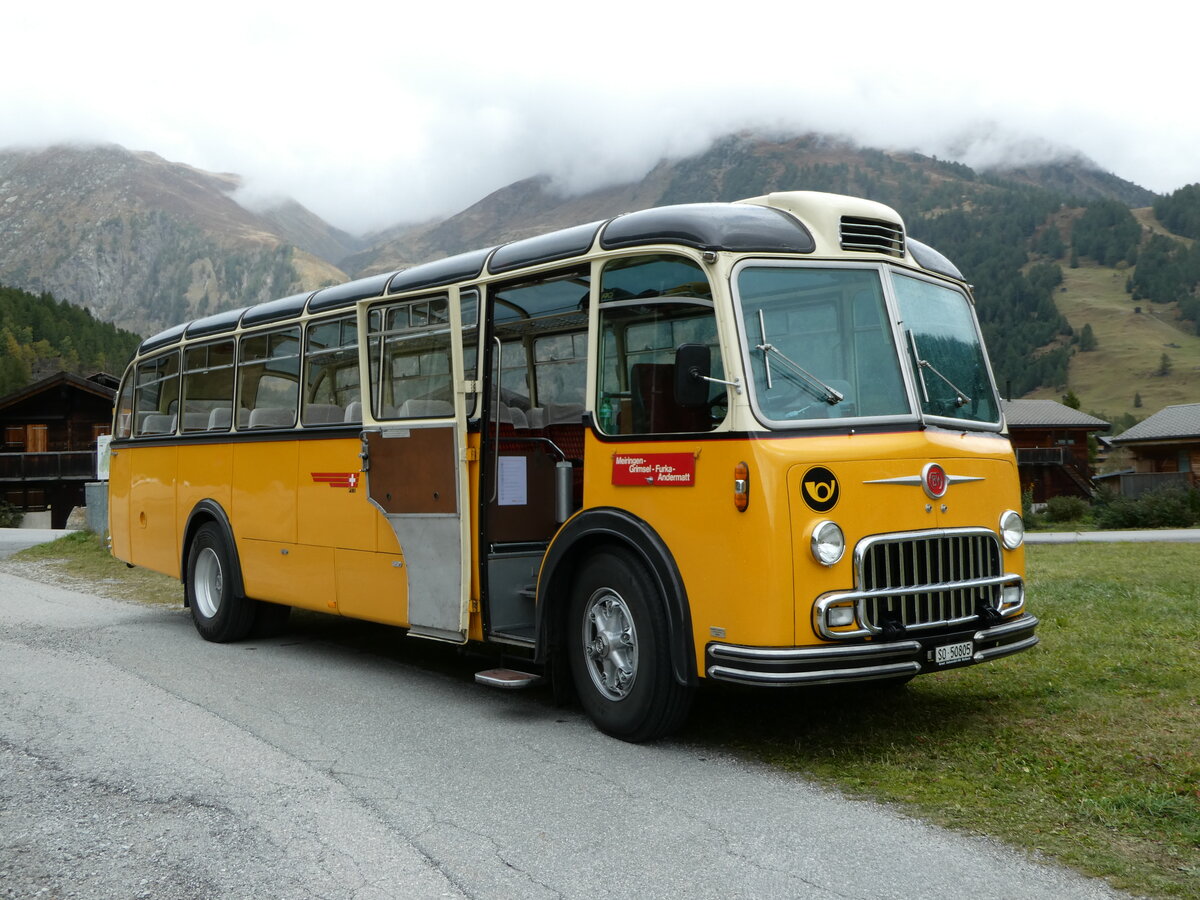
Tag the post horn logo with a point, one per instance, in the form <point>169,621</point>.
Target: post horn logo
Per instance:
<point>820,490</point>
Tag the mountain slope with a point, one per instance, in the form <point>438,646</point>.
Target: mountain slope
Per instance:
<point>735,167</point>
<point>147,243</point>
<point>144,242</point>
<point>1079,180</point>
<point>523,209</point>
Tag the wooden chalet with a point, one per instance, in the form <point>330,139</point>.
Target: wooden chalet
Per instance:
<point>1165,449</point>
<point>49,452</point>
<point>1051,441</point>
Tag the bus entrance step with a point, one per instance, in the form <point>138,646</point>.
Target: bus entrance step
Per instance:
<point>509,679</point>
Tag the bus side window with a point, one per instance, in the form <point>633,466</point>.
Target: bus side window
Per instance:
<point>156,395</point>
<point>208,386</point>
<point>269,379</point>
<point>649,307</point>
<point>331,391</point>
<point>542,326</point>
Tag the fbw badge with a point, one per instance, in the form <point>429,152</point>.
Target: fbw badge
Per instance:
<point>820,490</point>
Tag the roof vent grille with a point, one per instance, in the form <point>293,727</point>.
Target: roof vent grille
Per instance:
<point>872,236</point>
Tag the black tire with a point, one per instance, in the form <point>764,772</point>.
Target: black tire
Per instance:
<point>618,648</point>
<point>219,613</point>
<point>270,619</point>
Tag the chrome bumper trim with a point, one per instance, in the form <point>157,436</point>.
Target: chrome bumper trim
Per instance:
<point>837,664</point>
<point>821,676</point>
<point>806,654</point>
<point>1017,626</point>
<point>1005,649</point>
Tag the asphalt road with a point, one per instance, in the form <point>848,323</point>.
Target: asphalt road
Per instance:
<point>136,760</point>
<point>14,539</point>
<point>1155,536</point>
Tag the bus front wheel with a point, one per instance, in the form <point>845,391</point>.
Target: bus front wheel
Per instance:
<point>218,612</point>
<point>618,649</point>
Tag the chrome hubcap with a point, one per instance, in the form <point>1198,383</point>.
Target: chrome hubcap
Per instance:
<point>610,644</point>
<point>208,580</point>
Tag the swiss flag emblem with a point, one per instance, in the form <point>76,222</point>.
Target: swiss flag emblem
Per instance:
<point>336,479</point>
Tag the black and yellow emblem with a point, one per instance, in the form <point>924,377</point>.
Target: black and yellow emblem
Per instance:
<point>820,490</point>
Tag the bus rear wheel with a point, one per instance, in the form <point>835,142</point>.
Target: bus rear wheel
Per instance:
<point>617,638</point>
<point>219,614</point>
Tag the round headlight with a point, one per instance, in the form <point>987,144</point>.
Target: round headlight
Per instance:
<point>828,543</point>
<point>1012,530</point>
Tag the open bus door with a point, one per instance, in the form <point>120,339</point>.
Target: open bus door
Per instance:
<point>414,451</point>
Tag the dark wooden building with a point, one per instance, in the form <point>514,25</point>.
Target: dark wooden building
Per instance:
<point>1051,441</point>
<point>1165,449</point>
<point>49,452</point>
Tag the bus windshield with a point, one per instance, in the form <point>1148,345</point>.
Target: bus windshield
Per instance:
<point>945,350</point>
<point>819,344</point>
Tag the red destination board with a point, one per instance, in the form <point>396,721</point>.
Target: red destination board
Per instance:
<point>654,469</point>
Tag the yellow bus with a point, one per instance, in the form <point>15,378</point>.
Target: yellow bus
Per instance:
<point>755,442</point>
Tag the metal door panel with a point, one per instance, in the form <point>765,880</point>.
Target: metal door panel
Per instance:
<point>414,477</point>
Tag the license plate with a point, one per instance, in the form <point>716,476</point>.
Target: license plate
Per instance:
<point>954,653</point>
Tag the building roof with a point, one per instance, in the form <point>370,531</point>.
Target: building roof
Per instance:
<point>93,385</point>
<point>1169,424</point>
<point>1048,414</point>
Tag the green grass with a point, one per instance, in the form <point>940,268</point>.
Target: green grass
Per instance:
<point>82,557</point>
<point>1085,749</point>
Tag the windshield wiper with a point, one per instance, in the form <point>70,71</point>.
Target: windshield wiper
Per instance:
<point>960,399</point>
<point>810,382</point>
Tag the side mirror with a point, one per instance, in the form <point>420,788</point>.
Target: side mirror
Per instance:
<point>693,366</point>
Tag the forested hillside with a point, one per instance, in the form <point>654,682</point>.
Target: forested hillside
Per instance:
<point>1163,269</point>
<point>40,335</point>
<point>1168,270</point>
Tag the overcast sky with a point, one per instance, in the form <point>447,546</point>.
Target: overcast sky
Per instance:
<point>374,113</point>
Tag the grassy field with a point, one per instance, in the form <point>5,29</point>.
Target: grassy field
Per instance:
<point>1086,749</point>
<point>1130,347</point>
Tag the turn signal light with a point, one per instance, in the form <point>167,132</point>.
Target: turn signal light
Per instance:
<point>741,486</point>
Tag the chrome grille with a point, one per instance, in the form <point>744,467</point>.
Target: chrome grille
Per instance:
<point>872,236</point>
<point>927,580</point>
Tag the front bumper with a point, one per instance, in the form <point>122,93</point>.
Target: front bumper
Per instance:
<point>838,664</point>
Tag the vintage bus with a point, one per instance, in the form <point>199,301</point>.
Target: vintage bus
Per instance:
<point>754,442</point>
